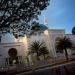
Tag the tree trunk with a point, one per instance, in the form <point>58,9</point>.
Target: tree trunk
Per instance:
<point>66,54</point>
<point>38,56</point>
<point>44,56</point>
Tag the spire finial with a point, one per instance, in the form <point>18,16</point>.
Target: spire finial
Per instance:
<point>45,20</point>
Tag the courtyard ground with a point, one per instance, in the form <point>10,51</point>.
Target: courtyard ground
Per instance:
<point>39,65</point>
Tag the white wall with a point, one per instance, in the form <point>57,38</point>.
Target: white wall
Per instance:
<point>53,34</point>
<point>8,41</point>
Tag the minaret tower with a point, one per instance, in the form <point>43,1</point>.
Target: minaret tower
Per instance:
<point>48,38</point>
<point>46,21</point>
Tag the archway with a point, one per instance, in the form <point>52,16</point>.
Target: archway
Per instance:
<point>13,56</point>
<point>12,52</point>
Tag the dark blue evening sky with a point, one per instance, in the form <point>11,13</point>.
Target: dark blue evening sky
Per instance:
<point>60,14</point>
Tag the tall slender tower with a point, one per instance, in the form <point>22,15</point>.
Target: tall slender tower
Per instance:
<point>48,38</point>
<point>46,21</point>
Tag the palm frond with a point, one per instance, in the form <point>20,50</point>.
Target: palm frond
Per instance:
<point>63,43</point>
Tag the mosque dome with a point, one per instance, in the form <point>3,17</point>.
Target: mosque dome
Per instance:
<point>42,27</point>
<point>38,28</point>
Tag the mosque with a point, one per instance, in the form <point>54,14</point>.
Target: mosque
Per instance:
<point>9,43</point>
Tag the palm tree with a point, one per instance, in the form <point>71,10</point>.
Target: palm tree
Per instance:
<point>35,48</point>
<point>63,44</point>
<point>43,51</point>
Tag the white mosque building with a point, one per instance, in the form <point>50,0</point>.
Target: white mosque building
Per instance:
<point>9,42</point>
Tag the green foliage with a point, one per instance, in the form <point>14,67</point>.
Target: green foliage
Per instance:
<point>73,30</point>
<point>35,26</point>
<point>63,44</point>
<point>39,48</point>
<point>35,46</point>
<point>43,51</point>
<point>15,12</point>
<point>13,60</point>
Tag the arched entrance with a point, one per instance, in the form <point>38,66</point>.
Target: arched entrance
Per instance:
<point>13,59</point>
<point>12,52</point>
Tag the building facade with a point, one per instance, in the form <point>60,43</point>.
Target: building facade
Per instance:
<point>9,42</point>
